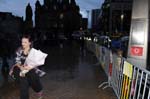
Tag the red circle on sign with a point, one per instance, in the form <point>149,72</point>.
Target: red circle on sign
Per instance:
<point>136,51</point>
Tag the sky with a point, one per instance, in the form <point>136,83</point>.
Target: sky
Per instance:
<point>17,7</point>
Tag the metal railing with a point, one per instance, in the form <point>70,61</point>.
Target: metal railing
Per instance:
<point>128,81</point>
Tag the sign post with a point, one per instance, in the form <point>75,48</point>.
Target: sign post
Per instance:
<point>138,41</point>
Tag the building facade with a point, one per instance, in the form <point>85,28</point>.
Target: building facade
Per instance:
<point>84,23</point>
<point>115,17</point>
<point>28,23</point>
<point>95,15</point>
<point>10,25</point>
<point>11,28</point>
<point>55,17</point>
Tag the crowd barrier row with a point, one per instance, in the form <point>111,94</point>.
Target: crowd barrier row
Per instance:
<point>128,81</point>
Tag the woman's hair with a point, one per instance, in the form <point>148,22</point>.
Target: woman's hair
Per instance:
<point>27,37</point>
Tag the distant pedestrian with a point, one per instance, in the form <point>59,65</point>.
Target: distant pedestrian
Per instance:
<point>31,78</point>
<point>82,39</point>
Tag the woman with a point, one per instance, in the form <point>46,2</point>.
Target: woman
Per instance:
<point>31,78</point>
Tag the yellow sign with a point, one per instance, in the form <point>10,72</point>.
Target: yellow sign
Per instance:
<point>127,76</point>
<point>127,69</point>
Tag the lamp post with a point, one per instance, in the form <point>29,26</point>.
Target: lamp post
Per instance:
<point>122,17</point>
<point>88,12</point>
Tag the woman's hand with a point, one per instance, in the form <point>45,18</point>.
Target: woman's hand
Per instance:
<point>21,67</point>
<point>10,72</point>
<point>28,67</point>
<point>24,69</point>
<point>18,65</point>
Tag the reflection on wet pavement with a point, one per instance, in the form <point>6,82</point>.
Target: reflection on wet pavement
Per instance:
<point>70,75</point>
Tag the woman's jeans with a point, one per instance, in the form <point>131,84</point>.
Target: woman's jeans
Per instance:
<point>31,79</point>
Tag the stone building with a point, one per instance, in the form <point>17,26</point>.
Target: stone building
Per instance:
<point>28,23</point>
<point>54,17</point>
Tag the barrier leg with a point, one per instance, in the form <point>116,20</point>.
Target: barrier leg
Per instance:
<point>105,84</point>
<point>102,84</point>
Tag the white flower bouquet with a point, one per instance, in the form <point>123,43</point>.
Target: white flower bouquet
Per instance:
<point>34,59</point>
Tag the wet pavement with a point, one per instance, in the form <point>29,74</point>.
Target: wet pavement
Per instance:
<point>71,74</point>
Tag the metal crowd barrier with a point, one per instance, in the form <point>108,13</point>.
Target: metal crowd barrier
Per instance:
<point>136,82</point>
<point>117,70</point>
<point>128,81</point>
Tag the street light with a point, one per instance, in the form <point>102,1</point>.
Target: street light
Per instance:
<point>88,16</point>
<point>122,17</point>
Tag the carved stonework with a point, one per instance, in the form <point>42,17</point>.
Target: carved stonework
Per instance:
<point>28,20</point>
<point>54,16</point>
